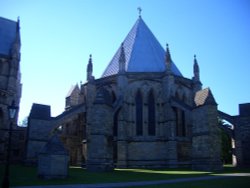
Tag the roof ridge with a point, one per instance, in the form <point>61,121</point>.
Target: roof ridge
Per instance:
<point>7,19</point>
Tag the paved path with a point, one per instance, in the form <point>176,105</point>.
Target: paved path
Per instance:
<point>140,183</point>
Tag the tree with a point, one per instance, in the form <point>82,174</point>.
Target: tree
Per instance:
<point>226,143</point>
<point>24,122</point>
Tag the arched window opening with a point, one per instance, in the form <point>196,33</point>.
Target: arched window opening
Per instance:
<point>180,122</point>
<point>185,99</point>
<point>115,128</point>
<point>115,153</point>
<point>183,123</point>
<point>151,114</point>
<point>1,116</point>
<point>139,114</point>
<point>178,95</point>
<point>1,113</point>
<point>113,96</point>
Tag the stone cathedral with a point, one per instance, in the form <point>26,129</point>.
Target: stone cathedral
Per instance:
<point>141,113</point>
<point>10,88</point>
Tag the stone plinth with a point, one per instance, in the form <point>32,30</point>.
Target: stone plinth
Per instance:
<point>53,160</point>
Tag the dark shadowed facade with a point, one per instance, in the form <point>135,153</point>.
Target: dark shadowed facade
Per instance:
<point>141,113</point>
<point>10,87</point>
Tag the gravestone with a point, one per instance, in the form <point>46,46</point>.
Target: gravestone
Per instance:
<point>53,160</point>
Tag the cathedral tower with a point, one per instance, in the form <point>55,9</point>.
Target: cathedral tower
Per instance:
<point>10,86</point>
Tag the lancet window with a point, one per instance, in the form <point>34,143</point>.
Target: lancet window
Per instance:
<point>151,113</point>
<point>180,122</point>
<point>139,113</point>
<point>115,128</point>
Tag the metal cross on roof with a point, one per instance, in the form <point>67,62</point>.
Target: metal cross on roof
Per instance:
<point>139,11</point>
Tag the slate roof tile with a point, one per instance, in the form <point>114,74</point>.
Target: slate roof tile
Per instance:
<point>143,53</point>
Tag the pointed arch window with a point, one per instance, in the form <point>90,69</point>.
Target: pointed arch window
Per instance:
<point>151,114</point>
<point>113,96</point>
<point>180,122</point>
<point>139,113</point>
<point>1,116</point>
<point>115,127</point>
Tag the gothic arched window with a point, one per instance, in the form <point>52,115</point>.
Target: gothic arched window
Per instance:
<point>151,113</point>
<point>115,128</point>
<point>139,113</point>
<point>113,96</point>
<point>180,122</point>
<point>178,95</point>
<point>1,116</point>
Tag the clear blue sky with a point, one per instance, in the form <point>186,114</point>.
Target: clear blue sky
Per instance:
<point>58,36</point>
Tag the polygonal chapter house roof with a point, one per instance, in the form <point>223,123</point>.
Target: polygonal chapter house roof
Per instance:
<point>143,53</point>
<point>8,30</point>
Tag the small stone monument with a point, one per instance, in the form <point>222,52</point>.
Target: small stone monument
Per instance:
<point>53,160</point>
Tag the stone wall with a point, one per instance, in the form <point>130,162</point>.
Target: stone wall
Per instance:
<point>206,140</point>
<point>39,132</point>
<point>10,83</point>
<point>100,140</point>
<point>242,136</point>
<point>151,154</point>
<point>100,131</point>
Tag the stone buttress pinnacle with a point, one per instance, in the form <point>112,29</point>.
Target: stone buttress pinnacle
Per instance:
<point>122,59</point>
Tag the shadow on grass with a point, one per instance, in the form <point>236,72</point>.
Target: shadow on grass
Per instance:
<point>23,175</point>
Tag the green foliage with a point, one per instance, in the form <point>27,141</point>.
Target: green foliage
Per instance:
<point>226,145</point>
<point>24,122</point>
<point>226,148</point>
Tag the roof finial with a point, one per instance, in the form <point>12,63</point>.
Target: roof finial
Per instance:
<point>139,11</point>
<point>89,68</point>
<point>90,58</point>
<point>168,59</point>
<point>195,60</point>
<point>122,60</point>
<point>18,24</point>
<point>168,53</point>
<point>196,69</point>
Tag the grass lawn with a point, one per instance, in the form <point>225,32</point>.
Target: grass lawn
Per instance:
<point>23,175</point>
<point>234,182</point>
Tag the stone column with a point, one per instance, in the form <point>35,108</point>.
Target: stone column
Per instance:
<point>100,140</point>
<point>172,143</point>
<point>122,149</point>
<point>242,136</point>
<point>122,146</point>
<point>206,140</point>
<point>172,147</point>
